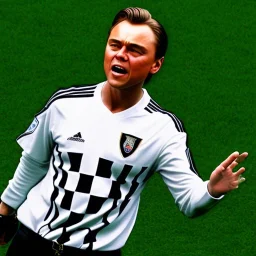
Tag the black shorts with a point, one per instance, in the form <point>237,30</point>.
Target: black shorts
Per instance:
<point>27,242</point>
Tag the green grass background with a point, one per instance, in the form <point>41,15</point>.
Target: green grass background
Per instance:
<point>207,80</point>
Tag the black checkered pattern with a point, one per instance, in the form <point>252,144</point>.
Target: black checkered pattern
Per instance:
<point>83,194</point>
<point>81,187</point>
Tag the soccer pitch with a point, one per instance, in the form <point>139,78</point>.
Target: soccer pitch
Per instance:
<point>207,80</point>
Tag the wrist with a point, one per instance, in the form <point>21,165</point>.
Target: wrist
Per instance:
<point>6,209</point>
<point>212,192</point>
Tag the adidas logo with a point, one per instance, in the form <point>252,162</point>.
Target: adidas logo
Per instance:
<point>77,137</point>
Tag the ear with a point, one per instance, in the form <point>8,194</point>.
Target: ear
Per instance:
<point>156,66</point>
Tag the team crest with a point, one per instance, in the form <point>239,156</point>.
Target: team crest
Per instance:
<point>33,126</point>
<point>128,144</point>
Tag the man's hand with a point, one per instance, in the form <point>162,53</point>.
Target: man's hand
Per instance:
<point>223,179</point>
<point>8,228</point>
<point>8,223</point>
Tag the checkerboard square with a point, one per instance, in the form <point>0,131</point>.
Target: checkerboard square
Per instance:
<point>85,183</point>
<point>95,204</point>
<point>104,168</point>
<point>67,200</point>
<point>75,161</point>
<point>72,181</point>
<point>101,187</point>
<point>80,202</point>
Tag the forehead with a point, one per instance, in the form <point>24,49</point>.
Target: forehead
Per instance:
<point>133,33</point>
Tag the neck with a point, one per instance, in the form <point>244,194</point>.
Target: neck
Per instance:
<point>117,100</point>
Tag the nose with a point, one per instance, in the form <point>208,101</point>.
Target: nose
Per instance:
<point>122,54</point>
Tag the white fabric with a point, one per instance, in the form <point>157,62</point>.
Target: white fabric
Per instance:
<point>89,195</point>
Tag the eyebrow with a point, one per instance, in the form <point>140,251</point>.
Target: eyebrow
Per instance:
<point>132,45</point>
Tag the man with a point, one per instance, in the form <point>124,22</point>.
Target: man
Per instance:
<point>90,151</point>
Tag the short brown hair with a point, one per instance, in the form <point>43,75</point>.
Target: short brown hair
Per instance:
<point>136,15</point>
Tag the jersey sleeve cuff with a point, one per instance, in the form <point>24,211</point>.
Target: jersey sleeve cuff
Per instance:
<point>215,198</point>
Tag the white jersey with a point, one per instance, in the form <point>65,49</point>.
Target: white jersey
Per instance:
<point>99,162</point>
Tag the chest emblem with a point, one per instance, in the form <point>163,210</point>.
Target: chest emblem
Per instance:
<point>77,137</point>
<point>128,144</point>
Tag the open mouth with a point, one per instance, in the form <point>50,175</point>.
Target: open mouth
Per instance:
<point>119,70</point>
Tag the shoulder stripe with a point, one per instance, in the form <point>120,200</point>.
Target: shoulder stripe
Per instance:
<point>147,109</point>
<point>72,92</point>
<point>83,91</point>
<point>156,108</point>
<point>74,89</point>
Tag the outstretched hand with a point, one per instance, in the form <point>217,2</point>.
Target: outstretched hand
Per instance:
<point>223,179</point>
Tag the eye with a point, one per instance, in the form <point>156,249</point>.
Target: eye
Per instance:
<point>135,51</point>
<point>114,46</point>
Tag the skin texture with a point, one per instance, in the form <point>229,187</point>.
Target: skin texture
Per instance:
<point>5,209</point>
<point>133,47</point>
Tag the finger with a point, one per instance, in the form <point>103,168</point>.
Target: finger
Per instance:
<point>235,184</point>
<point>241,157</point>
<point>241,180</point>
<point>233,165</point>
<point>230,159</point>
<point>240,172</point>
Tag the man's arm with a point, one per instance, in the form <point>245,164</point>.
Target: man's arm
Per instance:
<point>193,195</point>
<point>28,173</point>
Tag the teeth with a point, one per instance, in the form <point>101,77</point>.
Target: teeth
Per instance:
<point>119,69</point>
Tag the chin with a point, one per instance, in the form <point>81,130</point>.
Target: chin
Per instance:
<point>117,83</point>
<point>124,82</point>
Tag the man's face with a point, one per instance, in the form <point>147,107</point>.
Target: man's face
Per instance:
<point>130,55</point>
